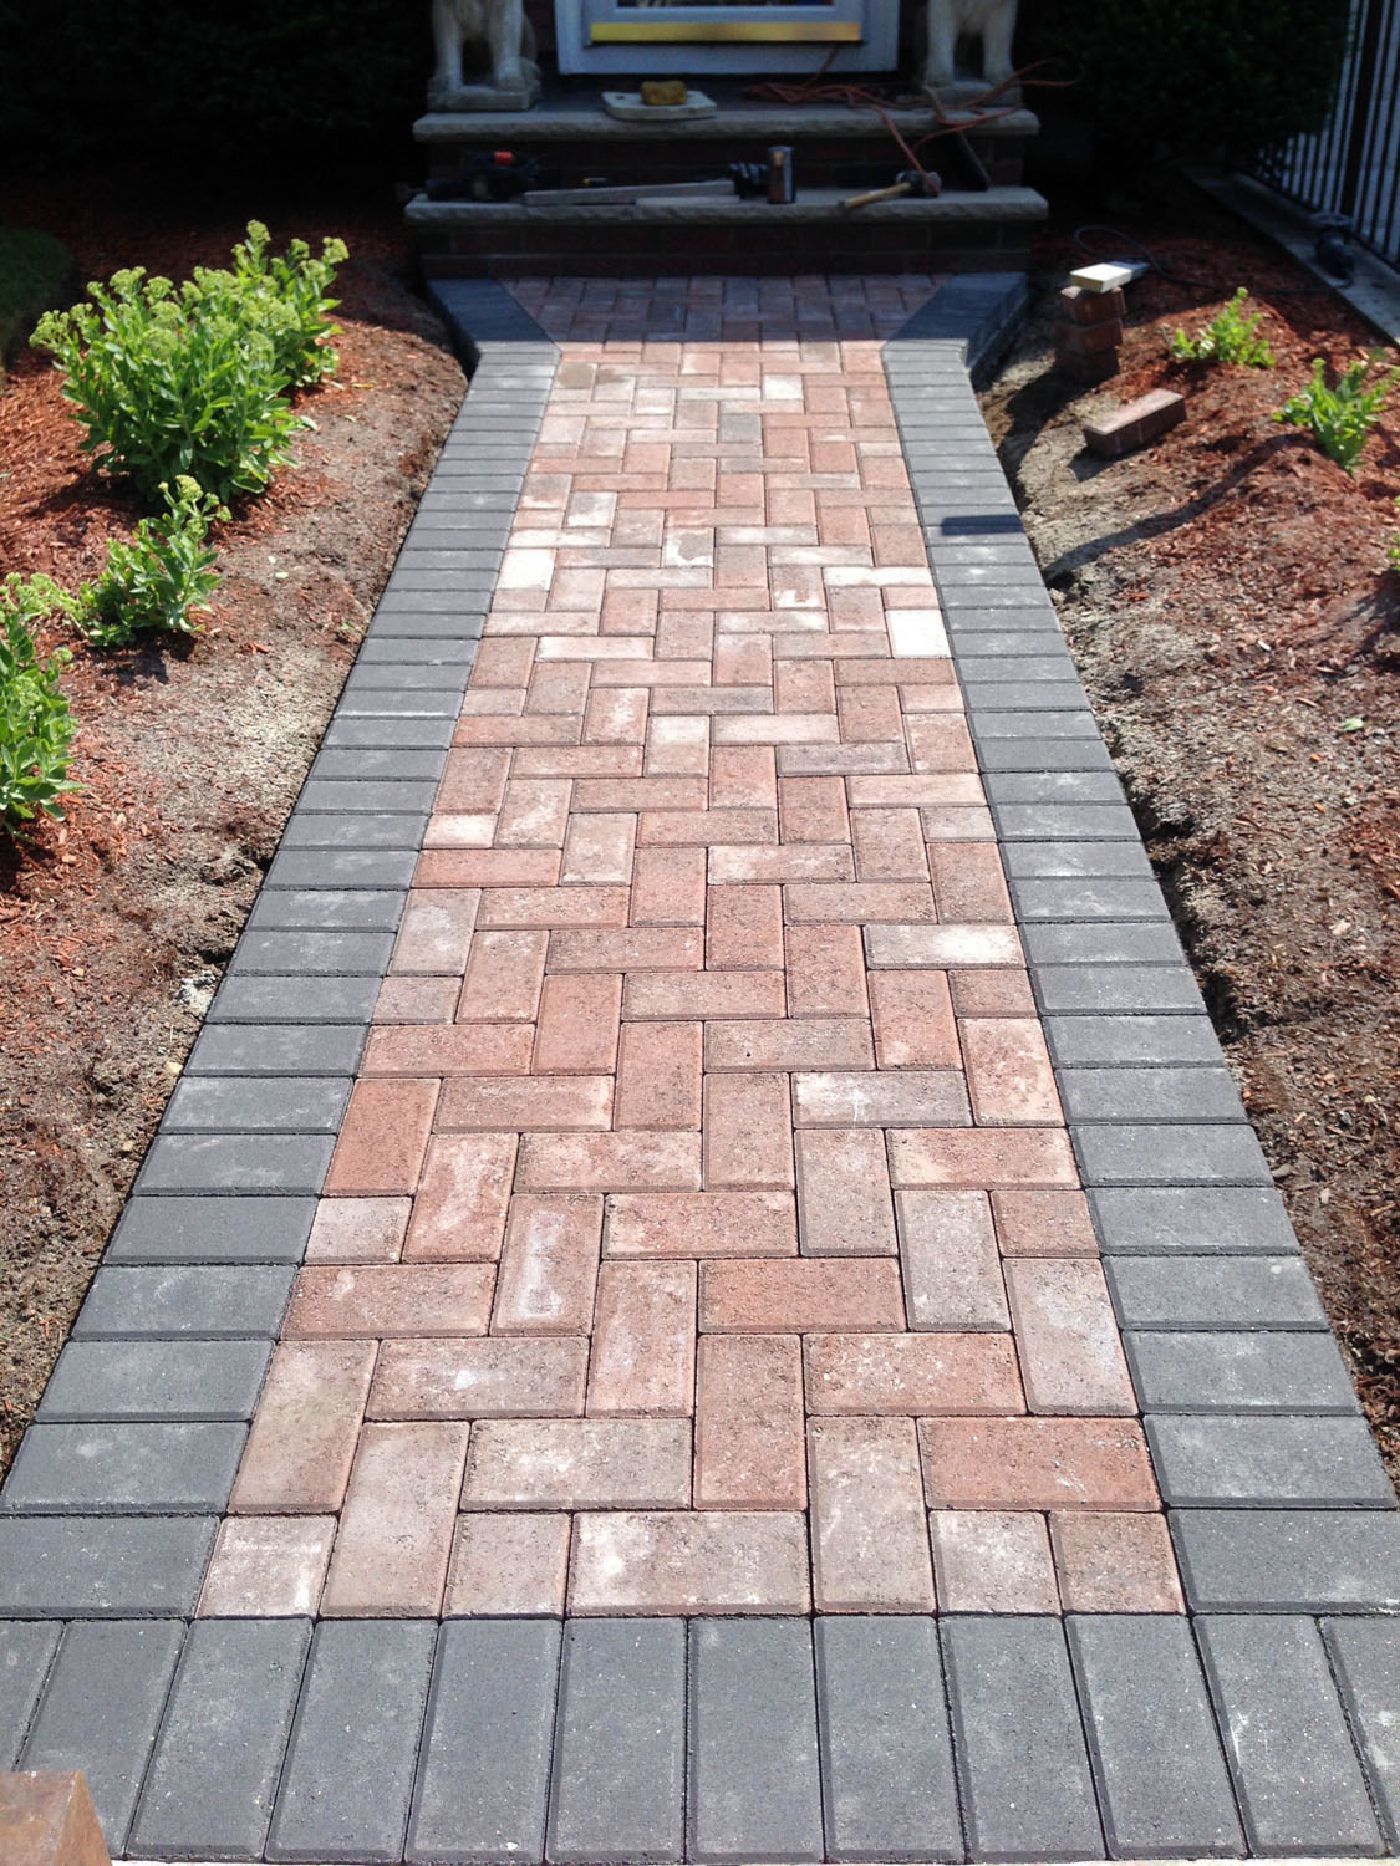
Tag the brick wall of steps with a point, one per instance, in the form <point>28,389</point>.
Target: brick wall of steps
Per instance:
<point>838,151</point>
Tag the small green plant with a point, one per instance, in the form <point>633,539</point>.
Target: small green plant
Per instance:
<point>1230,337</point>
<point>36,725</point>
<point>155,581</point>
<point>298,284</point>
<point>166,386</point>
<point>1340,417</point>
<point>194,380</point>
<point>1393,551</point>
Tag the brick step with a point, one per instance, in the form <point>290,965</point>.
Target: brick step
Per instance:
<point>989,231</point>
<point>832,143</point>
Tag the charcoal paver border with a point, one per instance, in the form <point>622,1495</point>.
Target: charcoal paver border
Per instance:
<point>1128,1031</point>
<point>218,1220</point>
<point>205,1252</point>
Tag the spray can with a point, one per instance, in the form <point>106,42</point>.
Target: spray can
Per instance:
<point>782,184</point>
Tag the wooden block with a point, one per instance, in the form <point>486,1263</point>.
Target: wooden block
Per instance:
<point>49,1820</point>
<point>1134,424</point>
<point>1076,306</point>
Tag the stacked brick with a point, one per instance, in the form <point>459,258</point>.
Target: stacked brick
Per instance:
<point>1088,331</point>
<point>1135,424</point>
<point>703,1234</point>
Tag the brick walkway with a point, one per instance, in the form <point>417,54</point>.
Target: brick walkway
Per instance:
<point>705,1192</point>
<point>701,1233</point>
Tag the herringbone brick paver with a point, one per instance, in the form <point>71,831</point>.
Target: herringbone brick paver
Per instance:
<point>705,1211</point>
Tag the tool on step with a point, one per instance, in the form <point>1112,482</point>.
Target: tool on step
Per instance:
<point>919,184</point>
<point>491,175</point>
<point>774,180</point>
<point>626,194</point>
<point>750,179</point>
<point>782,181</point>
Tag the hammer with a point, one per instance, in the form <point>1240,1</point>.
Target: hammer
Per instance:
<point>909,181</point>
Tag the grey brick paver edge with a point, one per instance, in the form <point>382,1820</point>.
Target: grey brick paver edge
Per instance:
<point>224,1193</point>
<point>1162,1179</point>
<point>785,1719</point>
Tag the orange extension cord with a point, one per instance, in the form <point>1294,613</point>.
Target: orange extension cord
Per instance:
<point>814,90</point>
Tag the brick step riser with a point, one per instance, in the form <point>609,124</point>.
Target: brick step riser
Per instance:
<point>540,253</point>
<point>867,162</point>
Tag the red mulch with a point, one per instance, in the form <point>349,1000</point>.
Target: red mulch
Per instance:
<point>114,925</point>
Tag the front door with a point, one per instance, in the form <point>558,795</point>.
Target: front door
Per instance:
<point>686,38</point>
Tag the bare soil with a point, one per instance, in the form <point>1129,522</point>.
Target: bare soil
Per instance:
<point>1227,599</point>
<point>115,926</point>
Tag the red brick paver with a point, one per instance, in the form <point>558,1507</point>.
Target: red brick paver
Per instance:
<point>704,1234</point>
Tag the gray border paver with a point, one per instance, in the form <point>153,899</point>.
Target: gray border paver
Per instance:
<point>483,1776</point>
<point>886,1744</point>
<point>1164,1788</point>
<point>754,1777</point>
<point>104,1697</point>
<point>214,1772</point>
<point>1299,1781</point>
<point>1027,1792</point>
<point>619,1748</point>
<point>348,1775</point>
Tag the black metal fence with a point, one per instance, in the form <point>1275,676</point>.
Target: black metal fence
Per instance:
<point>1352,167</point>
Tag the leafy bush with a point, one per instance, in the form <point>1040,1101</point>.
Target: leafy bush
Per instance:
<point>165,387</point>
<point>1230,337</point>
<point>36,726</point>
<point>292,290</point>
<point>1340,417</point>
<point>191,380</point>
<point>1191,78</point>
<point>154,582</point>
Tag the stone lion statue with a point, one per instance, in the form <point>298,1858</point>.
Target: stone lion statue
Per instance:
<point>500,28</point>
<point>993,21</point>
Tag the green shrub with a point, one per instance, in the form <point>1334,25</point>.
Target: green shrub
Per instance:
<point>1340,417</point>
<point>1230,337</point>
<point>192,380</point>
<point>36,725</point>
<point>165,387</point>
<point>155,581</point>
<point>292,289</point>
<point>1192,78</point>
<point>35,271</point>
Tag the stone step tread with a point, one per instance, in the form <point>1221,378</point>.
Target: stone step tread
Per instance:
<point>565,120</point>
<point>812,204</point>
